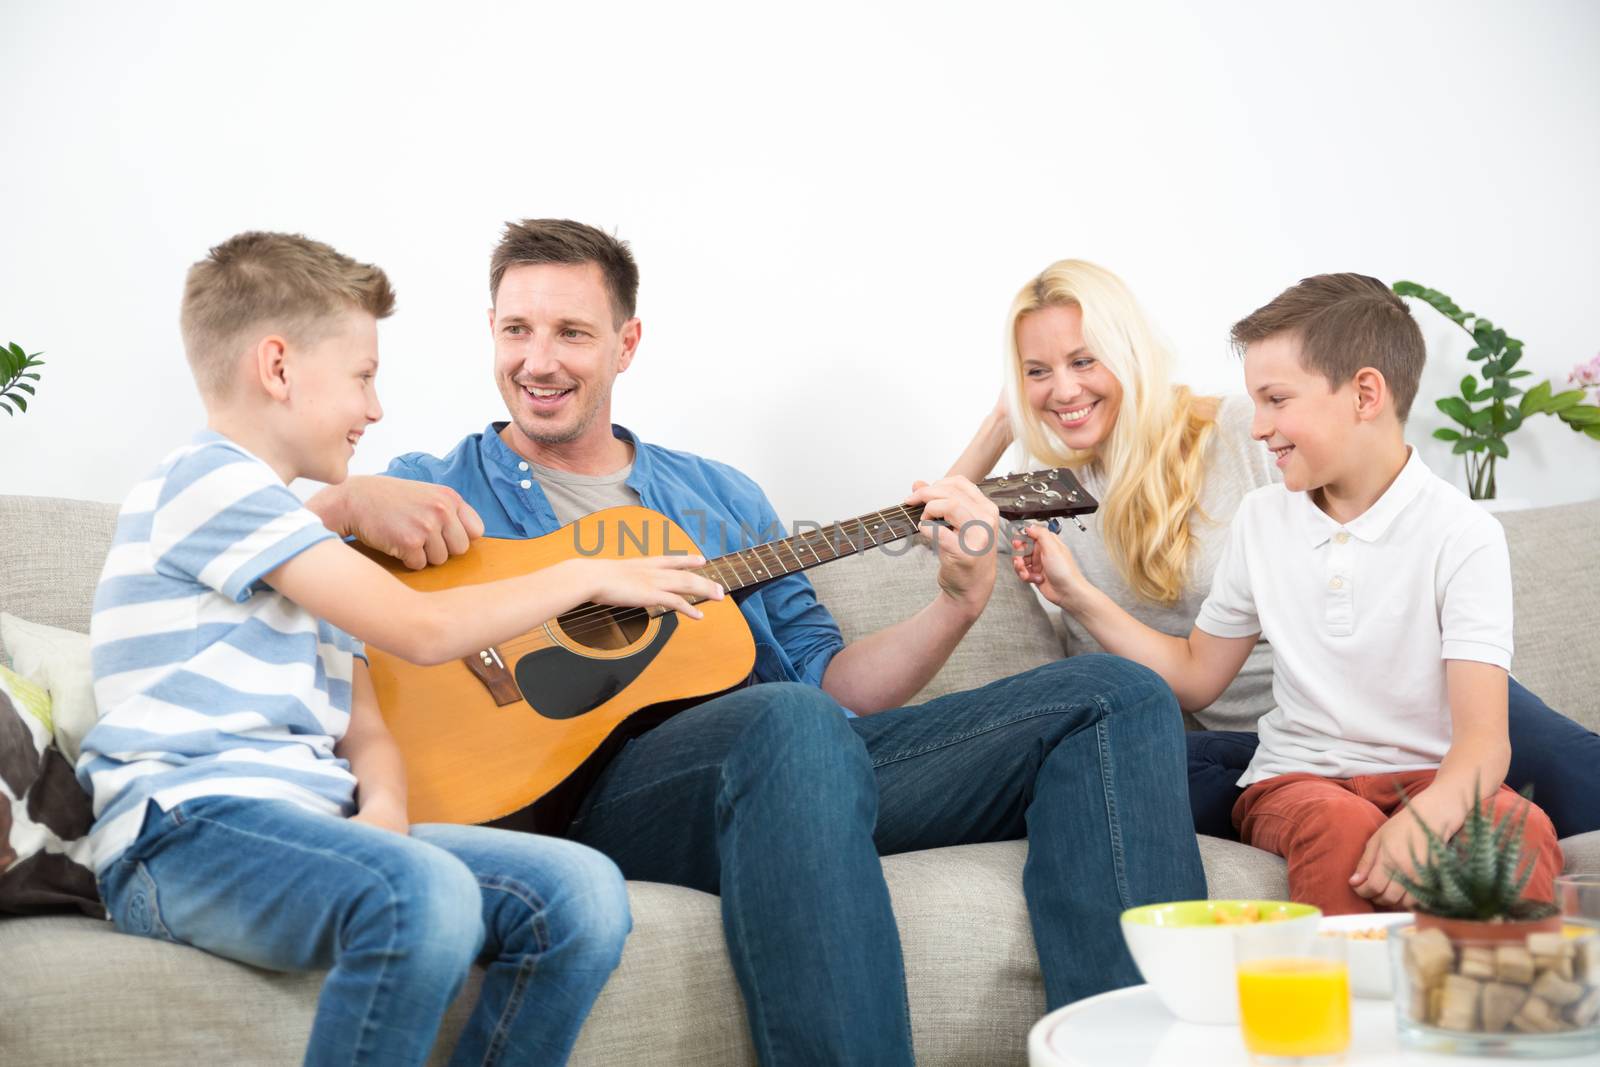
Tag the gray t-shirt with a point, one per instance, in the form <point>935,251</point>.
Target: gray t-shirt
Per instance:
<point>572,496</point>
<point>1234,465</point>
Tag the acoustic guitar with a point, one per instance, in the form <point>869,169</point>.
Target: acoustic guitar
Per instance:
<point>515,733</point>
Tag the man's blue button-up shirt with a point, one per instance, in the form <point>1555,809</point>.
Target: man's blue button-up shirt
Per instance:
<point>720,508</point>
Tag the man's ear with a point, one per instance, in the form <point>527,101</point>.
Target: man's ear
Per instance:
<point>632,331</point>
<point>1371,392</point>
<point>270,360</point>
<point>491,322</point>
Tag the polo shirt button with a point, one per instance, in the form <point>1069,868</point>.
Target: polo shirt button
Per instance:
<point>1341,537</point>
<point>529,485</point>
<point>1335,583</point>
<point>522,467</point>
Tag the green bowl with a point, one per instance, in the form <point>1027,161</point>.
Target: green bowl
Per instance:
<point>1185,949</point>
<point>1214,912</point>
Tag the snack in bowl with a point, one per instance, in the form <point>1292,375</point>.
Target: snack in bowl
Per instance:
<point>1248,912</point>
<point>1185,949</point>
<point>1367,950</point>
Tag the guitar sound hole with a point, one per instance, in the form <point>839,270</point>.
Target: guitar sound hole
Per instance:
<point>605,628</point>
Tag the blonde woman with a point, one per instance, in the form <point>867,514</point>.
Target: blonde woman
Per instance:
<point>1088,386</point>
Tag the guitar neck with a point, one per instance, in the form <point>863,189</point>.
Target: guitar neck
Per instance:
<point>774,559</point>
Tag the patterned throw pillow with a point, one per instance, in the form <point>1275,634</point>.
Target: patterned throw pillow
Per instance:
<point>58,660</point>
<point>44,814</point>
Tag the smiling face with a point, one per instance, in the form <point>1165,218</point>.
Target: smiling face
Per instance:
<point>556,352</point>
<point>333,395</point>
<point>1305,422</point>
<point>1074,393</point>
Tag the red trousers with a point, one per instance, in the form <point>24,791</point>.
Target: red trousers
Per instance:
<point>1322,825</point>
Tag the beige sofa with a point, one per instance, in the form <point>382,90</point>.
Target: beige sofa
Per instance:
<point>74,991</point>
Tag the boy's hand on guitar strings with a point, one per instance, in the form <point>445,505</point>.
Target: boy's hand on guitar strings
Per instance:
<point>659,583</point>
<point>965,535</point>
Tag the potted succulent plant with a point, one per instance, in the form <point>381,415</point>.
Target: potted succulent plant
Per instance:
<point>17,375</point>
<point>1470,887</point>
<point>1482,966</point>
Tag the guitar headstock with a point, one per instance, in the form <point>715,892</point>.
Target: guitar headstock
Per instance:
<point>1045,494</point>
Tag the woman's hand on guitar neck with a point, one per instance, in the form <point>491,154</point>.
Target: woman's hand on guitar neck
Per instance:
<point>665,583</point>
<point>1041,560</point>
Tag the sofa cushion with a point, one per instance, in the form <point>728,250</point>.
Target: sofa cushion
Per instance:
<point>972,978</point>
<point>1582,854</point>
<point>1236,871</point>
<point>1555,578</point>
<point>876,589</point>
<point>971,973</point>
<point>54,551</point>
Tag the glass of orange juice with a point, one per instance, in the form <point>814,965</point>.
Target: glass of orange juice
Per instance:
<point>1294,1001</point>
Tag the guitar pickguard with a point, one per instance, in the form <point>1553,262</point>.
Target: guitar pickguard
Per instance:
<point>559,683</point>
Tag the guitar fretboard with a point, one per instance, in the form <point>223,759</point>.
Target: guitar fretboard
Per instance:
<point>774,559</point>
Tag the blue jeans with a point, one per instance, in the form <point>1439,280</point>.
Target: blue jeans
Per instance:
<point>397,921</point>
<point>1548,751</point>
<point>772,797</point>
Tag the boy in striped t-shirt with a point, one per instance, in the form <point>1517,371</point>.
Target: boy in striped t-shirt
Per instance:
<point>248,798</point>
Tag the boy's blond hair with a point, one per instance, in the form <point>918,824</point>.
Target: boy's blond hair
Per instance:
<point>284,282</point>
<point>1345,322</point>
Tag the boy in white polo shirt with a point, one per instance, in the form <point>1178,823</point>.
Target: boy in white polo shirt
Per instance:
<point>1386,596</point>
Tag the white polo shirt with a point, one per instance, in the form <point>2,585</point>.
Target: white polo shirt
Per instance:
<point>1361,618</point>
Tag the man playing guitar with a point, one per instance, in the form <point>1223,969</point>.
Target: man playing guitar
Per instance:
<point>781,795</point>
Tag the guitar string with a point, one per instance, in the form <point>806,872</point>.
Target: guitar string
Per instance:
<point>573,624</point>
<point>601,617</point>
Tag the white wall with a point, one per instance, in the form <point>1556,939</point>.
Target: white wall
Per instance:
<point>832,204</point>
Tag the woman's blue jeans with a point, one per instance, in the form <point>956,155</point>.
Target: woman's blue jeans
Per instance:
<point>1549,751</point>
<point>397,921</point>
<point>775,799</point>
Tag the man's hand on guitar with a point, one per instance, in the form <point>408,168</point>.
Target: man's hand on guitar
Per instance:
<point>966,543</point>
<point>418,523</point>
<point>658,582</point>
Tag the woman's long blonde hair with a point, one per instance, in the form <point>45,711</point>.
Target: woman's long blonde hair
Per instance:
<point>1151,460</point>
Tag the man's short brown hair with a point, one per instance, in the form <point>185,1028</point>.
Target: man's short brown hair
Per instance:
<point>1345,322</point>
<point>282,281</point>
<point>534,241</point>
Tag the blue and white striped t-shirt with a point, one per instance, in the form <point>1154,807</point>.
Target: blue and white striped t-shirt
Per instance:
<point>209,682</point>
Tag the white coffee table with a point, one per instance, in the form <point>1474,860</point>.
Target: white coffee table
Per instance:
<point>1130,1028</point>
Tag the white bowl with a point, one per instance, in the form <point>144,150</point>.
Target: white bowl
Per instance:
<point>1187,955</point>
<point>1369,959</point>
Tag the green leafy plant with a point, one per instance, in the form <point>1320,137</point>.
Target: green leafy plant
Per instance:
<point>1474,874</point>
<point>1487,413</point>
<point>16,377</point>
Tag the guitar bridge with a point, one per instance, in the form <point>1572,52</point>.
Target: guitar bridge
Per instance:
<point>490,669</point>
